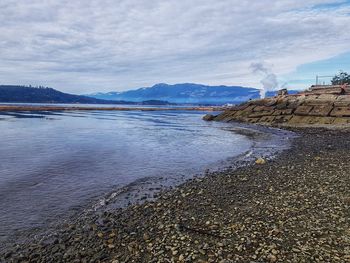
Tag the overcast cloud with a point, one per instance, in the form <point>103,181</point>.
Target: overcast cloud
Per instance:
<point>102,45</point>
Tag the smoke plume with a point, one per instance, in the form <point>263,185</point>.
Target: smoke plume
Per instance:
<point>269,82</point>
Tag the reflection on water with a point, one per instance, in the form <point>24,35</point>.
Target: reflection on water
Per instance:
<point>53,163</point>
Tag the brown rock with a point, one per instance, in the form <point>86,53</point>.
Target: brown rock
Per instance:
<point>341,121</point>
<point>252,120</point>
<point>260,114</point>
<point>321,110</point>
<point>342,101</point>
<point>297,119</point>
<point>282,104</point>
<point>325,120</point>
<point>282,118</point>
<point>303,110</point>
<point>263,108</point>
<point>283,112</point>
<point>208,117</point>
<point>323,99</point>
<point>326,90</point>
<point>267,119</point>
<point>265,102</point>
<point>340,112</point>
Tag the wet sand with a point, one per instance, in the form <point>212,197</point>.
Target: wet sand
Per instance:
<point>294,208</point>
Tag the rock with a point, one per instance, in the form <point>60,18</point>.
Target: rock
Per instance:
<point>260,161</point>
<point>341,112</point>
<point>145,236</point>
<point>271,258</point>
<point>322,106</point>
<point>303,110</point>
<point>208,117</point>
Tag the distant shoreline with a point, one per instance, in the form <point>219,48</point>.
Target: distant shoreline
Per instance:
<point>82,108</point>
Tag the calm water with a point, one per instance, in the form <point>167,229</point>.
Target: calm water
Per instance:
<point>55,163</point>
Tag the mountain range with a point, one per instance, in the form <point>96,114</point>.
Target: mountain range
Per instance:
<point>28,94</point>
<point>159,94</point>
<point>184,93</point>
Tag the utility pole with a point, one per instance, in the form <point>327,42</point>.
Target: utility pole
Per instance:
<point>318,78</point>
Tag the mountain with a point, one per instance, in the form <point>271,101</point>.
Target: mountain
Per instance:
<point>25,94</point>
<point>184,93</point>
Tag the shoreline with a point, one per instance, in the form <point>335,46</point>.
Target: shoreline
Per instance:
<point>292,208</point>
<point>264,141</point>
<point>90,108</point>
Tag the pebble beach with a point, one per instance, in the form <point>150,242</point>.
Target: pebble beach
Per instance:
<point>294,208</point>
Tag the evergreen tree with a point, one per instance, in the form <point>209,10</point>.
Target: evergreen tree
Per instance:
<point>341,78</point>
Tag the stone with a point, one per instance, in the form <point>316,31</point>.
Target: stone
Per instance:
<point>310,100</point>
<point>327,90</point>
<point>282,118</point>
<point>342,101</point>
<point>250,108</point>
<point>271,258</point>
<point>267,119</point>
<point>321,110</point>
<point>328,97</point>
<point>319,106</point>
<point>323,99</point>
<point>282,104</point>
<point>283,112</point>
<point>263,108</point>
<point>265,102</point>
<point>208,117</point>
<point>341,121</point>
<point>326,120</point>
<point>252,120</point>
<point>297,119</point>
<point>346,90</point>
<point>260,114</point>
<point>293,104</point>
<point>340,112</point>
<point>260,161</point>
<point>303,110</point>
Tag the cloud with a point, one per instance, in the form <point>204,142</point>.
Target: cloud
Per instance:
<point>85,46</point>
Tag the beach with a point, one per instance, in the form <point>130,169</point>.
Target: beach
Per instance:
<point>294,208</point>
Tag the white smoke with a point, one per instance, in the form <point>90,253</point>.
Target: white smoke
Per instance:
<point>269,81</point>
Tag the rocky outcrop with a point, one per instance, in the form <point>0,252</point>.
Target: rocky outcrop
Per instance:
<point>320,106</point>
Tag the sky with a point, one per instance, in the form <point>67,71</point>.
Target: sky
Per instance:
<point>106,45</point>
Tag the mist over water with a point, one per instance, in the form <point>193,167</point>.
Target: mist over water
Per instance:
<point>55,163</point>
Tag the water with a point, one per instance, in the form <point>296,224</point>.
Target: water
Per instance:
<point>54,164</point>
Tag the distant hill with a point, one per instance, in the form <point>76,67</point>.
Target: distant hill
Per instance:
<point>184,93</point>
<point>25,94</point>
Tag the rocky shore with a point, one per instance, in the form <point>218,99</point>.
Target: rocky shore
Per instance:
<point>319,106</point>
<point>294,208</point>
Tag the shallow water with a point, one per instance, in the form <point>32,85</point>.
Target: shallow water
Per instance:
<point>55,163</point>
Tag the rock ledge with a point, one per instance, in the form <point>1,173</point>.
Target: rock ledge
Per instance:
<point>319,106</point>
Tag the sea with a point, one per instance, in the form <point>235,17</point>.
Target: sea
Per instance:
<point>54,165</point>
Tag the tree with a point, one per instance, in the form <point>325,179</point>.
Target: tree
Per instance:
<point>341,78</point>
